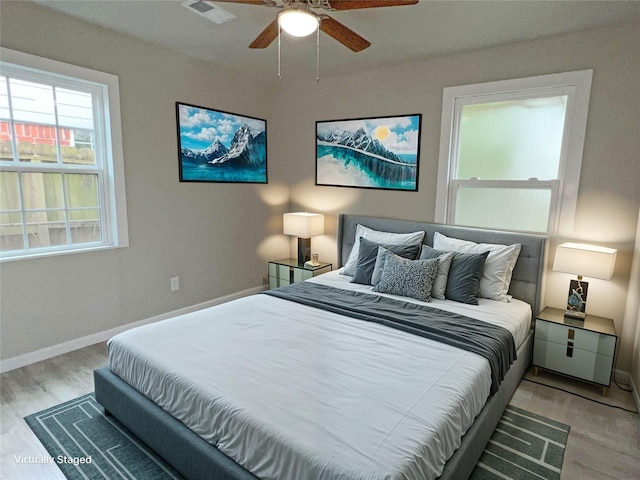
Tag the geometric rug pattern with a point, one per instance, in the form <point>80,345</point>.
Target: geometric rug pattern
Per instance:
<point>86,444</point>
<point>523,446</point>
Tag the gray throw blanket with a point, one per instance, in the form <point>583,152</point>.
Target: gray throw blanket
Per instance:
<point>493,342</point>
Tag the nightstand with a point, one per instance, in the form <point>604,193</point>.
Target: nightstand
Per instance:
<point>288,270</point>
<point>583,349</point>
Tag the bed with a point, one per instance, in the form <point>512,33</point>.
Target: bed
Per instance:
<point>291,389</point>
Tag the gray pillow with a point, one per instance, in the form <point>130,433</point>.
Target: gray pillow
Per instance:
<point>381,259</point>
<point>368,253</point>
<point>444,263</point>
<point>408,278</point>
<point>465,272</point>
<point>383,238</point>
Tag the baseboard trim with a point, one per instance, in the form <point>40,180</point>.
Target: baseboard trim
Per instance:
<point>78,343</point>
<point>634,393</point>
<point>622,376</point>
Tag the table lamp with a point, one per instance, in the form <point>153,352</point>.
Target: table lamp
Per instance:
<point>303,225</point>
<point>582,259</point>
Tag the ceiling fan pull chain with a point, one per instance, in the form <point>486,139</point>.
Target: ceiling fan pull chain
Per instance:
<point>317,55</point>
<point>279,61</point>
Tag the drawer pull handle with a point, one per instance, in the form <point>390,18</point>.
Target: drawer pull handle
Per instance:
<point>571,334</point>
<point>570,351</point>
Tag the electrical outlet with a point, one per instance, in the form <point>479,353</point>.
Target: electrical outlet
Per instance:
<point>175,283</point>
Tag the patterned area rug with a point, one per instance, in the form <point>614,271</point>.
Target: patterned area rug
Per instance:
<point>87,445</point>
<point>523,446</point>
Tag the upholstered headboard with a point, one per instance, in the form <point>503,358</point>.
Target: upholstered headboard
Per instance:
<point>527,282</point>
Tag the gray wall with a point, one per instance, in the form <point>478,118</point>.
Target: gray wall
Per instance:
<point>217,238</point>
<point>609,195</point>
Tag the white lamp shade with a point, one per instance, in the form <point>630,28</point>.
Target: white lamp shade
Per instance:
<point>587,260</point>
<point>303,224</point>
<point>298,23</point>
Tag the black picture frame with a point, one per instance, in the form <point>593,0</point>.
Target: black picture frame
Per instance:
<point>377,153</point>
<point>220,147</point>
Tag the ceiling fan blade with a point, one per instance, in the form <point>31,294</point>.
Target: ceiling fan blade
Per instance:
<point>267,36</point>
<point>357,4</point>
<point>342,34</point>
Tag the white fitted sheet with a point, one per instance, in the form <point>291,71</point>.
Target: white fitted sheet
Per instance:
<point>292,392</point>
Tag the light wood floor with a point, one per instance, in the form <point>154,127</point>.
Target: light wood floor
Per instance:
<point>604,442</point>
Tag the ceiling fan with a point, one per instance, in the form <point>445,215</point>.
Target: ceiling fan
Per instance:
<point>305,17</point>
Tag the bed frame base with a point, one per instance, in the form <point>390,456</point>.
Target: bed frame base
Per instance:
<point>196,459</point>
<point>188,453</point>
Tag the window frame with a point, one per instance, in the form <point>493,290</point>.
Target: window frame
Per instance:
<point>564,190</point>
<point>109,152</point>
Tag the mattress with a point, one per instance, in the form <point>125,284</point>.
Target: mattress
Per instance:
<point>291,392</point>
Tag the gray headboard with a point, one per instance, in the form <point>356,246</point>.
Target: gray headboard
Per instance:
<point>527,282</point>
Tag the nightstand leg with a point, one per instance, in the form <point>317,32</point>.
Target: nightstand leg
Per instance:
<point>535,371</point>
<point>604,391</point>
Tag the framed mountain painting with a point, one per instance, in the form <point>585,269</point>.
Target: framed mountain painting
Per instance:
<point>217,146</point>
<point>381,152</point>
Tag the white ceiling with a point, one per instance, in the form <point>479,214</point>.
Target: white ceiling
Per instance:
<point>398,34</point>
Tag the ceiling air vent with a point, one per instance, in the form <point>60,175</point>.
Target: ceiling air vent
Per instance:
<point>209,10</point>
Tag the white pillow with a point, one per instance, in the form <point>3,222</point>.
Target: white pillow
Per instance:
<point>498,268</point>
<point>385,238</point>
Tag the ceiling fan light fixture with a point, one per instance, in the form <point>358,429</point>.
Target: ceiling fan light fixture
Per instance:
<point>298,23</point>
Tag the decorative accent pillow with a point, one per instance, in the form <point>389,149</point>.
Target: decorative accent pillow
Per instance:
<point>408,278</point>
<point>498,268</point>
<point>465,273</point>
<point>367,258</point>
<point>385,238</point>
<point>381,259</point>
<point>444,263</point>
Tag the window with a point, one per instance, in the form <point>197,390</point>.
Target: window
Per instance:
<point>61,168</point>
<point>511,151</point>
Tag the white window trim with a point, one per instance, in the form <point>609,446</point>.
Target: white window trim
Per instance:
<point>562,220</point>
<point>116,206</point>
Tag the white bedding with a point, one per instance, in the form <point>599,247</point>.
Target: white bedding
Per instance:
<point>515,315</point>
<point>290,392</point>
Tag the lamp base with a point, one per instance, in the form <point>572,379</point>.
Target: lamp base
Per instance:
<point>577,300</point>
<point>304,250</point>
<point>576,315</point>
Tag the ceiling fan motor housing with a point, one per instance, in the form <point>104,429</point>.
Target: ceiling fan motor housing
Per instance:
<point>298,22</point>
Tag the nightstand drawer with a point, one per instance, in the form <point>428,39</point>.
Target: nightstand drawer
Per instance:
<point>279,275</point>
<point>573,361</point>
<point>585,339</point>
<point>284,273</point>
<point>300,275</point>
